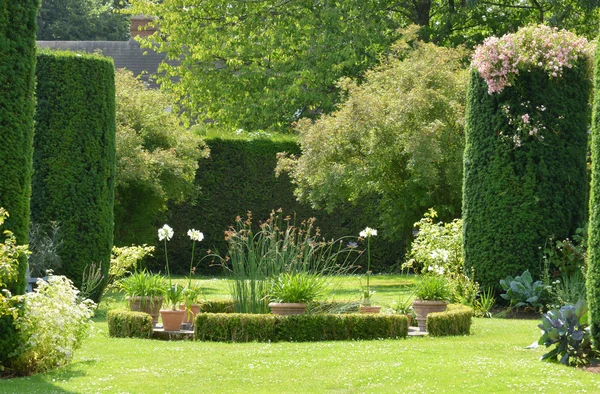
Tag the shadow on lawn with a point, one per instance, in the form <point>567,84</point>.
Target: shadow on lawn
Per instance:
<point>45,383</point>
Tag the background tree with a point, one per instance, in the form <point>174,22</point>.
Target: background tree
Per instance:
<point>157,159</point>
<point>264,64</point>
<point>398,135</point>
<point>82,20</point>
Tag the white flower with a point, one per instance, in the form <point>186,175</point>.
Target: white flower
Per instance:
<point>195,235</point>
<point>430,268</point>
<point>368,232</point>
<point>165,232</point>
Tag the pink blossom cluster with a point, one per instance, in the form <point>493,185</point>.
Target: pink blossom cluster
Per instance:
<point>499,60</point>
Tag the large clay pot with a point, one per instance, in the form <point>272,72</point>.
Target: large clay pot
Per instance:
<point>287,308</point>
<point>423,308</point>
<point>190,315</point>
<point>370,309</point>
<point>171,319</point>
<point>150,305</point>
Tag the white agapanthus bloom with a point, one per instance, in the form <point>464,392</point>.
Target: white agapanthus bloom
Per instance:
<point>165,232</point>
<point>195,235</point>
<point>368,232</point>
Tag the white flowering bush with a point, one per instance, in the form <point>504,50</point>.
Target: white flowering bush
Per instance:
<point>500,60</point>
<point>52,324</point>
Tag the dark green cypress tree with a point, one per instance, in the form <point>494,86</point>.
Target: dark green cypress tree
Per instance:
<point>518,193</point>
<point>17,64</point>
<point>593,273</point>
<point>74,157</point>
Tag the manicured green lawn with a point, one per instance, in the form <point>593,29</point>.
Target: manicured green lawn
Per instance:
<point>491,360</point>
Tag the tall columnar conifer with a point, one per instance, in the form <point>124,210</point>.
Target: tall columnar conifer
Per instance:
<point>74,157</point>
<point>17,63</point>
<point>593,273</point>
<point>525,153</point>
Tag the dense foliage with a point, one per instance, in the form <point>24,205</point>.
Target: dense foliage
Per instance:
<point>239,177</point>
<point>522,291</point>
<point>17,51</point>
<point>525,168</point>
<point>81,20</point>
<point>593,270</point>
<point>74,157</point>
<point>398,135</point>
<point>157,158</point>
<point>234,327</point>
<point>126,324</point>
<point>456,320</point>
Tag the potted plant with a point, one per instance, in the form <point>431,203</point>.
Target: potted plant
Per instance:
<point>145,292</point>
<point>291,291</point>
<point>404,306</point>
<point>366,292</point>
<point>432,295</point>
<point>172,318</point>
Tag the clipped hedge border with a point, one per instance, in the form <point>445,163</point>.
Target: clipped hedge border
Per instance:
<point>456,320</point>
<point>334,307</point>
<point>127,324</point>
<point>237,327</point>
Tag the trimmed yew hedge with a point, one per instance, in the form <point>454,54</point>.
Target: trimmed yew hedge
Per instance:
<point>237,327</point>
<point>515,197</point>
<point>456,320</point>
<point>17,51</point>
<point>593,273</point>
<point>74,157</point>
<point>127,324</point>
<point>239,176</point>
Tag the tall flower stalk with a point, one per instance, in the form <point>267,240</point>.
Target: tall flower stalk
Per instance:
<point>367,233</point>
<point>165,234</point>
<point>194,235</point>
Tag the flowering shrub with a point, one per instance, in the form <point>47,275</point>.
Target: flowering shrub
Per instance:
<point>52,325</point>
<point>9,260</point>
<point>500,60</point>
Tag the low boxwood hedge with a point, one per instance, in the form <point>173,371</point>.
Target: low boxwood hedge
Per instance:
<point>235,327</point>
<point>456,320</point>
<point>224,306</point>
<point>127,324</point>
<point>335,307</point>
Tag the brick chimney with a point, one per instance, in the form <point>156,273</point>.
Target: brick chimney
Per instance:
<point>139,22</point>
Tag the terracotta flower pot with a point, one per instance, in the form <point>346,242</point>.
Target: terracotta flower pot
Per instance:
<point>190,315</point>
<point>287,308</point>
<point>171,319</point>
<point>423,308</point>
<point>370,309</point>
<point>150,305</point>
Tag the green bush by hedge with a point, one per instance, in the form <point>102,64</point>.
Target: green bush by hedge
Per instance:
<point>17,51</point>
<point>456,320</point>
<point>239,177</point>
<point>74,157</point>
<point>235,327</point>
<point>514,196</point>
<point>127,324</point>
<point>593,273</point>
<point>217,306</point>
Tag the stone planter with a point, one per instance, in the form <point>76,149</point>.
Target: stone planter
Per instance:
<point>423,308</point>
<point>171,319</point>
<point>150,305</point>
<point>370,309</point>
<point>287,308</point>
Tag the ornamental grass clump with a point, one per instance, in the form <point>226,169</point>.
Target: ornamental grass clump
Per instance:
<point>279,246</point>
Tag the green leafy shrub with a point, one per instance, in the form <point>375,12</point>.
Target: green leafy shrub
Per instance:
<point>320,327</point>
<point>17,104</point>
<point>567,328</point>
<point>53,323</point>
<point>522,291</point>
<point>44,242</point>
<point>157,158</point>
<point>433,288</point>
<point>456,320</point>
<point>296,287</point>
<point>525,163</point>
<point>484,304</point>
<point>217,306</point>
<point>239,177</point>
<point>143,284</point>
<point>127,324</point>
<point>568,255</point>
<point>74,158</point>
<point>568,289</point>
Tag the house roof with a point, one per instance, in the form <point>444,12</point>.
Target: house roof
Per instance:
<point>126,54</point>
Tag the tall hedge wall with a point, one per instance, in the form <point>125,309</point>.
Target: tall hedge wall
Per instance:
<point>514,197</point>
<point>239,177</point>
<point>593,273</point>
<point>74,156</point>
<point>17,64</point>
